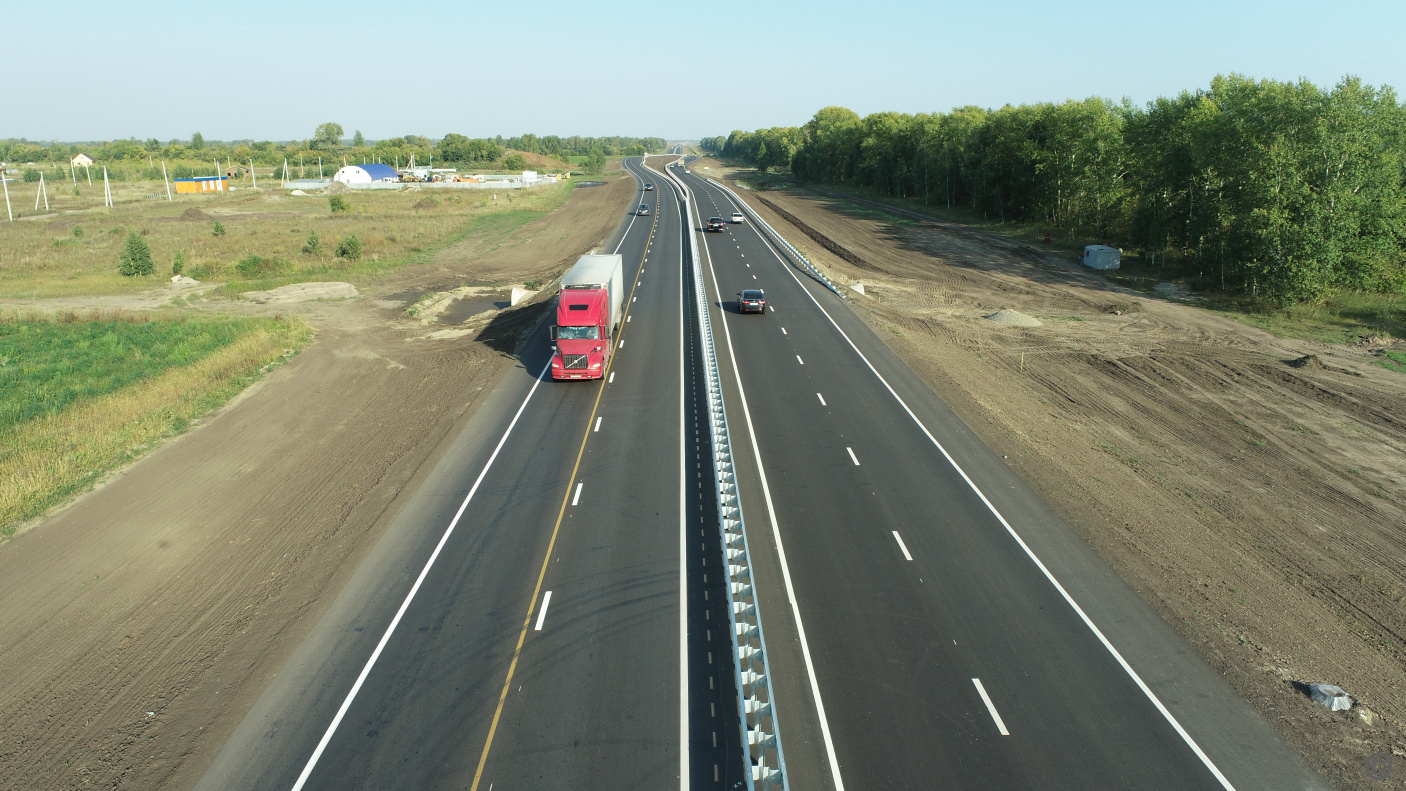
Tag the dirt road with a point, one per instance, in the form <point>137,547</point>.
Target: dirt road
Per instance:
<point>142,622</point>
<point>1257,505</point>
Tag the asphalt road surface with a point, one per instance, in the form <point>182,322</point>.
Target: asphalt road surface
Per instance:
<point>538,614</point>
<point>545,642</point>
<point>940,651</point>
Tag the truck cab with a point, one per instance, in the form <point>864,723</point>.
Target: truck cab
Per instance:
<point>581,334</point>
<point>588,312</point>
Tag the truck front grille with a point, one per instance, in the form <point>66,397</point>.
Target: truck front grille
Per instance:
<point>573,360</point>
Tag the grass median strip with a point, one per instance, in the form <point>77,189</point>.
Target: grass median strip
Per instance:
<point>86,397</point>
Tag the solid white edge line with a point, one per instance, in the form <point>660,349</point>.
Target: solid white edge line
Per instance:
<point>626,234</point>
<point>1137,679</point>
<point>542,613</point>
<point>684,752</point>
<point>902,545</point>
<point>780,548</point>
<point>991,707</point>
<point>597,428</point>
<point>822,399</point>
<point>576,498</point>
<point>405,605</point>
<point>852,457</point>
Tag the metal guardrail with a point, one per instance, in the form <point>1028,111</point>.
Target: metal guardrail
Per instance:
<point>752,671</point>
<point>756,218</point>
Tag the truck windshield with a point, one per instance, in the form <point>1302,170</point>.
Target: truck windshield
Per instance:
<point>578,333</point>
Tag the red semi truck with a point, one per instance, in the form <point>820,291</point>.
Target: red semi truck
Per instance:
<point>589,305</point>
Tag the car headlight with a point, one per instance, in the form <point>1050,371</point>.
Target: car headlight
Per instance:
<point>595,365</point>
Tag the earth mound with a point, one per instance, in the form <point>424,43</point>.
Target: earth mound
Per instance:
<point>1014,318</point>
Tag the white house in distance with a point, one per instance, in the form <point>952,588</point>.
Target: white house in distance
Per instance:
<point>82,161</point>
<point>366,174</point>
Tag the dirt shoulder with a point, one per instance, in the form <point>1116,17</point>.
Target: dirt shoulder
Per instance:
<point>144,620</point>
<point>1257,505</point>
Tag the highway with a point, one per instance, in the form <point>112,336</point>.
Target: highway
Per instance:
<point>544,643</point>
<point>939,650</point>
<point>539,613</point>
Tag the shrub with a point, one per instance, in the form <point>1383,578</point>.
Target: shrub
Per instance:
<point>515,162</point>
<point>312,245</point>
<point>77,232</point>
<point>218,229</point>
<point>257,266</point>
<point>31,176</point>
<point>338,203</point>
<point>349,248</point>
<point>135,258</point>
<point>178,264</point>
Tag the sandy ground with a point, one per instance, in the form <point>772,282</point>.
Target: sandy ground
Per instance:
<point>1258,506</point>
<point>141,622</point>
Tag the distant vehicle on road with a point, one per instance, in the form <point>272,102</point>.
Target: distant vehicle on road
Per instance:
<point>715,224</point>
<point>752,300</point>
<point>588,313</point>
<point>642,210</point>
<point>648,187</point>
<point>737,216</point>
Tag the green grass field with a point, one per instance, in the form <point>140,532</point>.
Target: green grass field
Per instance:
<point>46,366</point>
<point>81,396</point>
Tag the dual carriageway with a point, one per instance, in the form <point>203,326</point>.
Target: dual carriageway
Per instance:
<point>540,613</point>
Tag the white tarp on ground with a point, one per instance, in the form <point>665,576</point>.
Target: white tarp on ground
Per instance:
<point>1098,256</point>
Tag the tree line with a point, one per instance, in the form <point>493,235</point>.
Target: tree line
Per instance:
<point>329,143</point>
<point>1264,188</point>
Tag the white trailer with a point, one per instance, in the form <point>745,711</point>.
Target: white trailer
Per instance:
<point>597,272</point>
<point>1098,256</point>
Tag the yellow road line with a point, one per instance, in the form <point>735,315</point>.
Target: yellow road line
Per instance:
<point>551,544</point>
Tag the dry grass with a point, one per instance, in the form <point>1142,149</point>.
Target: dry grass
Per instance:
<point>46,460</point>
<point>73,250</point>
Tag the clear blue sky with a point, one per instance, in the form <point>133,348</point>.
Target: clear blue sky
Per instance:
<point>269,70</point>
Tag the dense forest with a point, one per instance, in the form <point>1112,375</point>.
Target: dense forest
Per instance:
<point>1264,188</point>
<point>135,158</point>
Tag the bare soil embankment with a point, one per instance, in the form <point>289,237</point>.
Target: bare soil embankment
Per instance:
<point>1257,505</point>
<point>142,622</point>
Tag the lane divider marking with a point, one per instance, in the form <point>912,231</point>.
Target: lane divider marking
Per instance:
<point>822,399</point>
<point>799,360</point>
<point>405,605</point>
<point>902,545</point>
<point>1030,553</point>
<point>991,707</point>
<point>542,573</point>
<point>809,662</point>
<point>852,456</point>
<point>542,614</point>
<point>598,420</point>
<point>577,497</point>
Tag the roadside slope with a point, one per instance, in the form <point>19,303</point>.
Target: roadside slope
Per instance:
<point>1256,505</point>
<point>144,620</point>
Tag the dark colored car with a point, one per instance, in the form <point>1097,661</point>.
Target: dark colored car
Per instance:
<point>648,187</point>
<point>642,210</point>
<point>716,224</point>
<point>753,300</point>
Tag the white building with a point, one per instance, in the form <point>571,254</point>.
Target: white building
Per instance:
<point>366,174</point>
